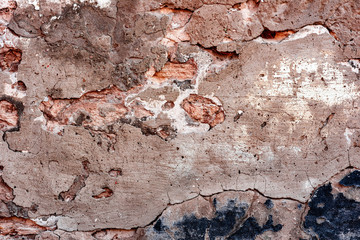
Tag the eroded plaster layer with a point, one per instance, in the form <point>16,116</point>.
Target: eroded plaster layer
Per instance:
<point>178,119</point>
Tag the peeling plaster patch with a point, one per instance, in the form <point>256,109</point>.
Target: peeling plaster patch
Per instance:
<point>100,110</point>
<point>230,149</point>
<point>93,109</point>
<point>177,114</point>
<point>67,224</point>
<point>106,193</point>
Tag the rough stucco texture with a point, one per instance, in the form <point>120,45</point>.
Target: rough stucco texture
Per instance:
<point>179,119</point>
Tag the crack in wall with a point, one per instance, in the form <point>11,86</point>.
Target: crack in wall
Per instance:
<point>208,108</point>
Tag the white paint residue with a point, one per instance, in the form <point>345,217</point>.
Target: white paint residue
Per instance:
<point>304,65</point>
<point>61,1</point>
<point>13,77</point>
<point>333,91</point>
<point>296,149</point>
<point>155,106</point>
<point>40,119</point>
<point>46,222</point>
<point>177,114</point>
<point>306,31</point>
<point>10,91</point>
<point>75,7</point>
<point>4,4</point>
<point>308,185</point>
<point>99,3</point>
<point>175,25</point>
<point>354,64</point>
<point>308,79</point>
<point>281,85</point>
<point>53,18</point>
<point>348,132</point>
<point>266,153</point>
<point>35,3</point>
<point>48,125</point>
<point>302,33</point>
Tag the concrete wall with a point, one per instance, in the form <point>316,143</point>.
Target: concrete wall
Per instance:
<point>179,119</point>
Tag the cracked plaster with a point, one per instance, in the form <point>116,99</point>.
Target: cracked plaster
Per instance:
<point>127,119</point>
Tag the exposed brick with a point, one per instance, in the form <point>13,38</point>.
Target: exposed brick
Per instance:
<point>104,194</point>
<point>94,110</point>
<point>8,116</point>
<point>19,226</point>
<point>203,110</point>
<point>175,71</point>
<point>10,59</point>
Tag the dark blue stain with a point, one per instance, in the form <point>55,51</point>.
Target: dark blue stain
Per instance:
<point>351,180</point>
<point>225,219</point>
<point>331,217</point>
<point>250,229</point>
<point>159,226</point>
<point>269,204</point>
<point>191,228</point>
<point>224,223</point>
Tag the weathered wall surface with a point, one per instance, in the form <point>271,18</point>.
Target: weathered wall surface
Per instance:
<point>179,119</point>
